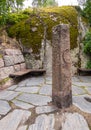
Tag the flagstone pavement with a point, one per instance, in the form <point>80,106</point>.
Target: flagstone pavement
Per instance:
<point>28,101</point>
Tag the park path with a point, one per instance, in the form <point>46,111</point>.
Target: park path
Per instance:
<point>26,106</point>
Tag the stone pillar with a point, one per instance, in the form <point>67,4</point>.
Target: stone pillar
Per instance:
<point>61,67</point>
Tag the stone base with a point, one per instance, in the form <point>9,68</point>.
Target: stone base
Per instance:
<point>62,100</point>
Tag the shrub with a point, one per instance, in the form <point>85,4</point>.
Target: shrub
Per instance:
<point>88,66</point>
<point>87,43</point>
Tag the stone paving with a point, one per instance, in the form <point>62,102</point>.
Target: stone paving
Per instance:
<point>32,97</point>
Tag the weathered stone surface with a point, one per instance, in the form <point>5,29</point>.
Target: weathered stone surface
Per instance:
<point>88,89</point>
<point>77,90</point>
<point>18,59</point>
<point>12,52</point>
<point>23,83</point>
<point>21,58</point>
<point>74,121</point>
<point>48,78</point>
<point>85,79</point>
<point>46,90</point>
<point>12,87</point>
<point>14,119</point>
<point>49,82</point>
<point>4,107</point>
<point>4,72</point>
<point>35,81</point>
<point>1,63</point>
<point>61,67</point>
<point>8,60</point>
<point>22,104</point>
<point>82,103</point>
<point>23,66</point>
<point>45,109</point>
<point>28,89</point>
<point>43,122</point>
<point>23,127</point>
<point>35,99</point>
<point>8,95</point>
<point>82,84</point>
<point>17,67</point>
<point>75,79</point>
<point>48,60</point>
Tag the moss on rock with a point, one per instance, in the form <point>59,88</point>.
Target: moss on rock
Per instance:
<point>31,29</point>
<point>3,81</point>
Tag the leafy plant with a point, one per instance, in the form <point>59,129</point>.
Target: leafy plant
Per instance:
<point>8,6</point>
<point>88,66</point>
<point>87,10</point>
<point>87,43</point>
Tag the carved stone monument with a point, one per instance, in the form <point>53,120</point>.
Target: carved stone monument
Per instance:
<point>61,67</point>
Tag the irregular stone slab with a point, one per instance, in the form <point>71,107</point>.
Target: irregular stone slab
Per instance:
<point>35,99</point>
<point>22,104</point>
<point>14,119</point>
<point>46,90</point>
<point>88,89</point>
<point>5,71</point>
<point>49,82</point>
<point>49,78</point>
<point>8,60</point>
<point>23,128</point>
<point>8,95</point>
<point>75,79</point>
<point>28,89</point>
<point>18,59</point>
<point>23,83</point>
<point>82,103</point>
<point>1,63</point>
<point>22,66</point>
<point>85,79</point>
<point>35,81</point>
<point>74,121</point>
<point>45,109</point>
<point>43,122</point>
<point>17,67</point>
<point>4,107</point>
<point>81,84</point>
<point>12,52</point>
<point>77,90</point>
<point>12,87</point>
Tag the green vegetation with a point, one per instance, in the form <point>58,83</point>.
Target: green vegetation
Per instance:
<point>87,11</point>
<point>87,48</point>
<point>3,81</point>
<point>87,43</point>
<point>88,66</point>
<point>8,6</point>
<point>28,25</point>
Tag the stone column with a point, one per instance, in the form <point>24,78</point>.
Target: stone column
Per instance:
<point>61,67</point>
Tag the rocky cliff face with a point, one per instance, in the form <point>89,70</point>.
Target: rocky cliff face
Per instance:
<point>38,52</point>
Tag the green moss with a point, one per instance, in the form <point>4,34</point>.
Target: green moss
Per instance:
<point>3,81</point>
<point>0,56</point>
<point>31,30</point>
